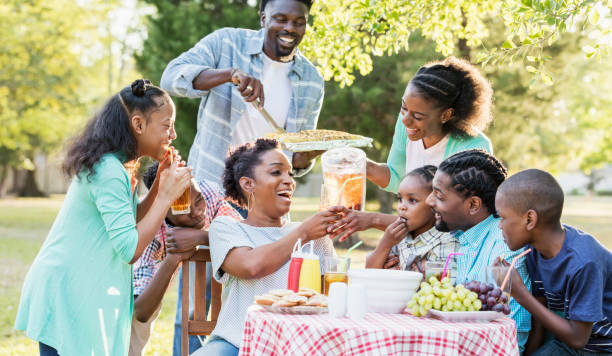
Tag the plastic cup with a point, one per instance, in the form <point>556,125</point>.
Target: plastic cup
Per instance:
<point>335,270</point>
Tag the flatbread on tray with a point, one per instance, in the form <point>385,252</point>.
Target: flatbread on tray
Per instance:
<point>315,140</point>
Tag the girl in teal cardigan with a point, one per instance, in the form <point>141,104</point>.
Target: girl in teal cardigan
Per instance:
<point>444,108</point>
<point>77,296</point>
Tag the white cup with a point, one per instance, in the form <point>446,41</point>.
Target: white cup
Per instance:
<point>337,299</point>
<point>356,301</point>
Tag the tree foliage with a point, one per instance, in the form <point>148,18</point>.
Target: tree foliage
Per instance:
<point>43,81</point>
<point>347,34</point>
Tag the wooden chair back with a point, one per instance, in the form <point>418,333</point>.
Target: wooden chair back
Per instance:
<point>198,325</point>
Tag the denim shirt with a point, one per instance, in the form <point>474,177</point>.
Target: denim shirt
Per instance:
<point>222,106</point>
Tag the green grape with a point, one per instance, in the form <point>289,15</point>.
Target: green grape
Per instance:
<point>463,308</point>
<point>445,280</point>
<point>430,298</point>
<point>471,308</point>
<point>447,286</point>
<point>461,294</point>
<point>444,308</point>
<point>422,310</point>
<point>450,305</point>
<point>424,284</point>
<point>446,292</point>
<point>437,304</point>
<point>428,306</point>
<point>467,302</point>
<point>477,304</point>
<point>472,296</point>
<point>457,305</point>
<point>422,300</point>
<point>437,291</point>
<point>432,280</point>
<point>453,296</point>
<point>411,303</point>
<point>460,286</point>
<point>427,289</point>
<point>443,300</point>
<point>415,311</point>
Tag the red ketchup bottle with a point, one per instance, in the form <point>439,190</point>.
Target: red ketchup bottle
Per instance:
<point>293,280</point>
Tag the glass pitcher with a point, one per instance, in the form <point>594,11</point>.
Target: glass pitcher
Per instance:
<point>344,176</point>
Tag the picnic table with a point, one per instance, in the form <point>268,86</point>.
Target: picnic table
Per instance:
<point>268,333</point>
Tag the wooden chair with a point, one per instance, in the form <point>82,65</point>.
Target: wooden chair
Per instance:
<point>199,325</point>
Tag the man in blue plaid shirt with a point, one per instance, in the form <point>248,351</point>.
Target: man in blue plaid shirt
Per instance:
<point>267,67</point>
<point>463,200</point>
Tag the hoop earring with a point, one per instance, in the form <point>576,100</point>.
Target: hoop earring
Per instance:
<point>249,204</point>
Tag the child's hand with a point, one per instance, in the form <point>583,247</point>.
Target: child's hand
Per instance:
<point>183,239</point>
<point>351,222</point>
<point>395,232</point>
<point>517,286</point>
<point>173,181</point>
<point>392,262</point>
<point>316,226</point>
<point>171,155</point>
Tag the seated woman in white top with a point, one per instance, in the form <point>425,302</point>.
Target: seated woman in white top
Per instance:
<point>250,257</point>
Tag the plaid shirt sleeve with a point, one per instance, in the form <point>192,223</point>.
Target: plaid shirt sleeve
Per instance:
<point>149,261</point>
<point>216,204</point>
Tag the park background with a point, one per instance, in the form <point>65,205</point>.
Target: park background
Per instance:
<point>548,62</point>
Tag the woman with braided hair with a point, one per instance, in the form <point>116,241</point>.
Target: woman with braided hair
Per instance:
<point>77,296</point>
<point>444,108</point>
<point>463,202</point>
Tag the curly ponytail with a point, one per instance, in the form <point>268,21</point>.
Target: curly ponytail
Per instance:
<point>241,162</point>
<point>455,83</point>
<point>109,130</point>
<point>475,173</point>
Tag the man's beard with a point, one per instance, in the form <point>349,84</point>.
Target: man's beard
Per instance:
<point>442,226</point>
<point>283,56</point>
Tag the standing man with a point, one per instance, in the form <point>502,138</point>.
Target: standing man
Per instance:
<point>269,68</point>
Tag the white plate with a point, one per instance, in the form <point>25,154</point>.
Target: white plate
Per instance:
<point>300,309</point>
<point>465,316</point>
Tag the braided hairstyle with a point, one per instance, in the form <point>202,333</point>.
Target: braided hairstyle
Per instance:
<point>475,173</point>
<point>455,83</point>
<point>110,130</point>
<point>240,162</point>
<point>426,173</point>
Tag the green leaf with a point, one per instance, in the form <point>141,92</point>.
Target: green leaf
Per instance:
<point>548,80</point>
<point>508,44</point>
<point>594,18</point>
<point>531,69</point>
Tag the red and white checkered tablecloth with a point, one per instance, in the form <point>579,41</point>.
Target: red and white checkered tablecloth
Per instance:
<point>267,333</point>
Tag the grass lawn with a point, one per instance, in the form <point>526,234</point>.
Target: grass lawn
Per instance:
<point>24,224</point>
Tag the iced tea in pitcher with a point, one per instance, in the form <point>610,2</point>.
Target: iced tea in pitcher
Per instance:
<point>344,177</point>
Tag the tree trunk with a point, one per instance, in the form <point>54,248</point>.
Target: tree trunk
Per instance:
<point>385,199</point>
<point>30,188</point>
<point>3,180</point>
<point>18,175</point>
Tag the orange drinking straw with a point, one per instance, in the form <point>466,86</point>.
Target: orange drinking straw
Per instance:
<point>511,267</point>
<point>171,153</point>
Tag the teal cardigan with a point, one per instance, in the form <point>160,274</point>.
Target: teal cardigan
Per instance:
<point>397,156</point>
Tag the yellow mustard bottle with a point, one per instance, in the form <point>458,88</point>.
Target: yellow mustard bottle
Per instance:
<point>310,273</point>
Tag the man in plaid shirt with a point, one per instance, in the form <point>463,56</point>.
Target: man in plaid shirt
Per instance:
<point>175,241</point>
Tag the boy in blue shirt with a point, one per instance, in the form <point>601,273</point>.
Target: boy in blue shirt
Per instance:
<point>570,270</point>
